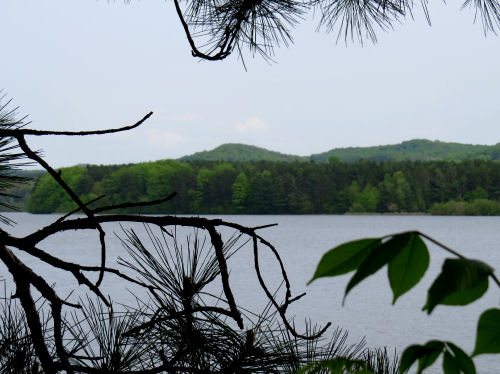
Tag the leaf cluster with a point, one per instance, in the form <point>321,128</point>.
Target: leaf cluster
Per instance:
<point>406,255</point>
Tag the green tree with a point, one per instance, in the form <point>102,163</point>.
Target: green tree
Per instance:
<point>260,193</point>
<point>241,190</point>
<point>368,198</point>
<point>50,197</point>
<point>478,193</point>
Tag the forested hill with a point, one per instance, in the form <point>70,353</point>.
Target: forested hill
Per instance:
<point>240,152</point>
<point>417,149</point>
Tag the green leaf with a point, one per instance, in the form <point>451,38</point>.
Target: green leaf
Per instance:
<point>465,297</point>
<point>426,355</point>
<point>409,266</point>
<point>462,359</point>
<point>460,282</point>
<point>344,258</point>
<point>410,355</point>
<point>449,364</point>
<point>378,257</point>
<point>435,348</point>
<point>488,333</point>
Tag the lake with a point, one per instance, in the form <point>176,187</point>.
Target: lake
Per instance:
<point>301,241</point>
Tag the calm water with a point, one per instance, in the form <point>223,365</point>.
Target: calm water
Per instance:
<point>301,241</point>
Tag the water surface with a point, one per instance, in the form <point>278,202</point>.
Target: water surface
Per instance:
<point>301,241</point>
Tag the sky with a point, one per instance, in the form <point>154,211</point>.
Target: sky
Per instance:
<point>87,64</point>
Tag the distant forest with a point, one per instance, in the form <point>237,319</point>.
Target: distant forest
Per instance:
<point>296,187</point>
<point>411,150</point>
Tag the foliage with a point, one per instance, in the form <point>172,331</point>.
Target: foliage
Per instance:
<point>460,282</point>
<point>240,153</point>
<point>48,195</point>
<point>283,188</point>
<point>411,150</point>
<point>476,207</point>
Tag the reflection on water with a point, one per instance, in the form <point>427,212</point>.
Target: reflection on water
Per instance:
<point>301,241</point>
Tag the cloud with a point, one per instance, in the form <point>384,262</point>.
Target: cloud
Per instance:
<point>252,125</point>
<point>164,138</point>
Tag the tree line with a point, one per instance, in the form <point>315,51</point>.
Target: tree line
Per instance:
<point>202,187</point>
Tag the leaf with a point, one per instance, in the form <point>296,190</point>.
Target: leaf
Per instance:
<point>345,258</point>
<point>378,257</point>
<point>460,282</point>
<point>465,297</point>
<point>409,266</point>
<point>425,354</point>
<point>449,364</point>
<point>410,355</point>
<point>462,359</point>
<point>488,333</point>
<point>435,348</point>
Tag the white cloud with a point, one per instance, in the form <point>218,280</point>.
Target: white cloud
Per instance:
<point>164,138</point>
<point>252,125</point>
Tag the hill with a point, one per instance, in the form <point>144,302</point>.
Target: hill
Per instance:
<point>413,150</point>
<point>240,152</point>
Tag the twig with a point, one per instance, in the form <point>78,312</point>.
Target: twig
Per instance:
<point>60,219</point>
<point>452,251</point>
<point>134,205</point>
<point>445,247</point>
<point>225,46</point>
<point>219,252</point>
<point>273,301</point>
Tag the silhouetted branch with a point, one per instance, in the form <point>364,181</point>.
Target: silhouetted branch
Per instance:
<point>224,49</point>
<point>79,209</point>
<point>23,278</point>
<point>134,205</point>
<point>279,308</point>
<point>21,132</point>
<point>57,177</point>
<point>218,245</point>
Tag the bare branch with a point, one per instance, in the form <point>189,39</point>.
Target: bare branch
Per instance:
<point>281,310</point>
<point>218,245</point>
<point>57,177</point>
<point>16,133</point>
<point>133,205</point>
